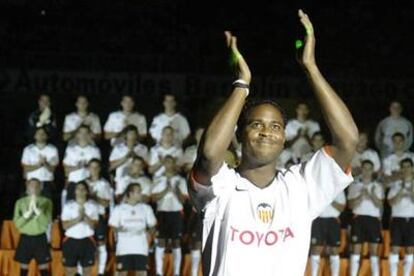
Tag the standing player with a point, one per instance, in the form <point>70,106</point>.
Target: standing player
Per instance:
<point>401,199</point>
<point>164,148</point>
<point>326,231</point>
<point>82,116</point>
<point>102,192</point>
<point>118,120</point>
<point>43,117</point>
<point>365,198</point>
<point>391,164</point>
<point>363,152</point>
<point>134,223</point>
<point>32,216</point>
<point>170,193</point>
<point>79,219</point>
<point>170,117</point>
<point>258,221</point>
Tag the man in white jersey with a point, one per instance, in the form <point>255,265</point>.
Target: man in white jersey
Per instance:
<point>170,193</point>
<point>135,174</point>
<point>103,194</point>
<point>363,152</point>
<point>82,116</point>
<point>317,142</point>
<point>391,125</point>
<point>76,159</point>
<point>401,199</point>
<point>164,148</point>
<point>391,164</point>
<point>365,197</point>
<point>170,117</point>
<point>118,120</point>
<point>300,130</point>
<point>257,220</point>
<point>39,160</point>
<point>123,153</point>
<point>79,218</point>
<point>134,223</point>
<point>326,232</point>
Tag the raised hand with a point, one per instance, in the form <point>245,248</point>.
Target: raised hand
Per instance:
<point>308,55</point>
<point>243,71</point>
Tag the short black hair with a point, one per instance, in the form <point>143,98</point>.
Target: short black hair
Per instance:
<point>407,160</point>
<point>318,133</point>
<point>130,187</point>
<point>398,134</point>
<point>83,126</point>
<point>249,106</point>
<point>95,160</point>
<point>367,161</point>
<point>130,128</point>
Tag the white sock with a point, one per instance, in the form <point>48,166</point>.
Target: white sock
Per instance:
<point>63,197</point>
<point>49,232</point>
<point>355,264</point>
<point>159,256</point>
<point>315,259</point>
<point>393,261</point>
<point>79,268</point>
<point>177,260</point>
<point>102,257</point>
<point>374,265</point>
<point>195,261</point>
<point>408,264</point>
<point>334,261</point>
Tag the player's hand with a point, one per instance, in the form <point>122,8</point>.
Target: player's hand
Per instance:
<point>242,69</point>
<point>308,55</point>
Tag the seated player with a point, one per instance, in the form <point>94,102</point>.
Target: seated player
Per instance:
<point>79,219</point>
<point>326,232</point>
<point>32,216</point>
<point>365,198</point>
<point>170,193</point>
<point>134,223</point>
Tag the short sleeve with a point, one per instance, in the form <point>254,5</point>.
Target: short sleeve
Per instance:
<point>324,180</point>
<point>26,157</point>
<point>67,213</point>
<point>290,130</point>
<point>116,153</point>
<point>115,218</point>
<point>158,186</point>
<point>93,212</point>
<point>96,124</point>
<point>183,186</point>
<point>53,158</point>
<point>68,160</point>
<point>153,156</point>
<point>353,191</point>
<point>150,219</point>
<point>379,191</point>
<point>142,125</point>
<point>221,184</point>
<point>394,190</point>
<point>341,198</point>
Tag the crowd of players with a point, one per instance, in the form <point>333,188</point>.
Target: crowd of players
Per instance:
<point>141,191</point>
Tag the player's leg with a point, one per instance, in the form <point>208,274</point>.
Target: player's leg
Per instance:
<point>396,242</point>
<point>317,242</point>
<point>334,241</point>
<point>409,246</point>
<point>196,244</point>
<point>87,270</point>
<point>176,224</point>
<point>24,254</point>
<point>161,243</point>
<point>374,259</point>
<point>408,260</point>
<point>357,238</point>
<point>42,254</point>
<point>70,271</point>
<point>87,258</point>
<point>176,250</point>
<point>374,238</point>
<point>316,252</point>
<point>100,236</point>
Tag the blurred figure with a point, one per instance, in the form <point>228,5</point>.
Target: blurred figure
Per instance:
<point>134,223</point>
<point>401,199</point>
<point>32,216</point>
<point>365,198</point>
<point>103,194</point>
<point>123,153</point>
<point>164,148</point>
<point>118,120</point>
<point>300,130</point>
<point>79,219</point>
<point>190,152</point>
<point>326,232</point>
<point>317,142</point>
<point>363,152</point>
<point>391,164</point>
<point>170,193</point>
<point>42,117</point>
<point>389,126</point>
<point>170,117</point>
<point>82,116</point>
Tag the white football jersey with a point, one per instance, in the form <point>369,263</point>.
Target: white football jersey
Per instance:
<point>122,184</point>
<point>404,208</point>
<point>367,206</point>
<point>74,120</point>
<point>102,189</point>
<point>80,230</point>
<point>75,154</point>
<point>177,121</point>
<point>387,128</point>
<point>332,212</point>
<point>368,154</point>
<point>31,156</point>
<point>301,145</point>
<point>135,219</point>
<point>117,121</point>
<point>266,232</point>
<point>170,202</point>
<point>159,150</point>
<point>120,151</point>
<point>392,162</point>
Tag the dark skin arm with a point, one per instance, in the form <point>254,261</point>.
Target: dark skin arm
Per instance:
<point>219,134</point>
<point>337,116</point>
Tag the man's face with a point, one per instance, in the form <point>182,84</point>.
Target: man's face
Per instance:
<point>40,136</point>
<point>317,142</point>
<point>80,191</point>
<point>302,111</point>
<point>406,168</point>
<point>395,109</point>
<point>82,104</point>
<point>169,102</point>
<point>398,143</point>
<point>131,136</point>
<point>169,164</point>
<point>83,135</point>
<point>363,141</point>
<point>44,101</point>
<point>135,194</point>
<point>167,135</point>
<point>127,104</point>
<point>33,187</point>
<point>94,168</point>
<point>367,170</point>
<point>136,167</point>
<point>263,137</point>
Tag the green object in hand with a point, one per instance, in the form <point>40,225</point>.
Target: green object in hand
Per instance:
<point>298,43</point>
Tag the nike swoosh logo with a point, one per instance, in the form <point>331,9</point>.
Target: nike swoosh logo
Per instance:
<point>241,190</point>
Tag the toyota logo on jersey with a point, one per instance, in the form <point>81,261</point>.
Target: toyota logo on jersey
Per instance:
<point>264,212</point>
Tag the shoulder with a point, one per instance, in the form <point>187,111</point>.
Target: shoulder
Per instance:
<point>29,147</point>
